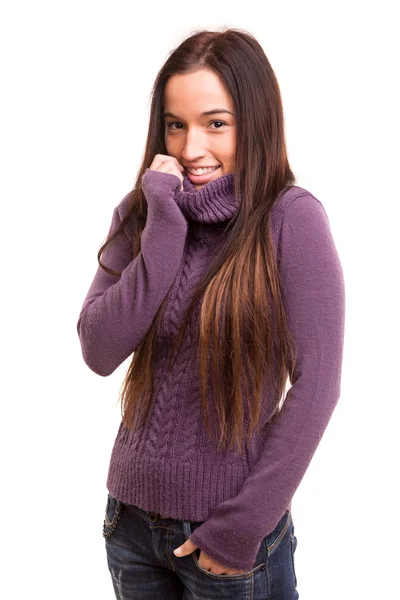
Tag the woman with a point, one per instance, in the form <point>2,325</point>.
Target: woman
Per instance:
<point>223,283</point>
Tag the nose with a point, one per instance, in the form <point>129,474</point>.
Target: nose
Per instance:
<point>193,148</point>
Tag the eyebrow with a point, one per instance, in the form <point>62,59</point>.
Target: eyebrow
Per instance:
<point>213,111</point>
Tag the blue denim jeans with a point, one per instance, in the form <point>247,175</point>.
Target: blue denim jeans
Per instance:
<point>139,547</point>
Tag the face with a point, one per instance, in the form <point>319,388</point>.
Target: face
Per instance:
<point>194,138</point>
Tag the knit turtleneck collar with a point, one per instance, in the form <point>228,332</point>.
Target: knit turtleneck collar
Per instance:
<point>214,202</point>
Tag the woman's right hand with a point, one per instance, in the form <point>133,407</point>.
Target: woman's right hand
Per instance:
<point>159,190</point>
<point>167,164</point>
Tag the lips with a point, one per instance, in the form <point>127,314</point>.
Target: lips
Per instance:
<point>203,177</point>
<point>213,167</point>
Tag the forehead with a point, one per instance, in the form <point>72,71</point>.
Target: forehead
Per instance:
<point>194,93</point>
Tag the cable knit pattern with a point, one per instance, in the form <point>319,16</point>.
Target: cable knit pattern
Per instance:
<point>170,465</point>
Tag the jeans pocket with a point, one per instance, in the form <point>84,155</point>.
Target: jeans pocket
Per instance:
<point>260,564</point>
<point>112,515</point>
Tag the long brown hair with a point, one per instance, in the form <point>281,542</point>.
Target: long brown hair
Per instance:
<point>242,319</point>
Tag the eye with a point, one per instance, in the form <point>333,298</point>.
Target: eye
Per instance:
<point>170,125</point>
<point>222,123</point>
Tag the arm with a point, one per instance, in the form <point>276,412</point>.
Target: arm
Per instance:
<point>117,312</point>
<point>314,299</point>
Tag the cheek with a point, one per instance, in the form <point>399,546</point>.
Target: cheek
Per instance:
<point>170,143</point>
<point>228,146</point>
<point>233,142</point>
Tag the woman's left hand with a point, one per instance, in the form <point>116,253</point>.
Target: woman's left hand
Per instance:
<point>205,561</point>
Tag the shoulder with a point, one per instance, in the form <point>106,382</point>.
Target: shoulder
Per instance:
<point>294,198</point>
<point>296,205</point>
<point>123,206</point>
<point>119,213</point>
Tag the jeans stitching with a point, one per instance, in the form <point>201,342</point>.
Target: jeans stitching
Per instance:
<point>280,536</point>
<point>169,549</point>
<point>292,547</point>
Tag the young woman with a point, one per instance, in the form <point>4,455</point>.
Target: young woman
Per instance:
<point>221,278</point>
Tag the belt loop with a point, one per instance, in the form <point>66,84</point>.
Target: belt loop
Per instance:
<point>153,516</point>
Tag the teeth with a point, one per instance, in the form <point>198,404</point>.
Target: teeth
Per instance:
<point>202,171</point>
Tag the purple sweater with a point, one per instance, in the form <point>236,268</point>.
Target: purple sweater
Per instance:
<point>170,466</point>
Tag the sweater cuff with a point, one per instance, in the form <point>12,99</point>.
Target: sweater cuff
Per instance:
<point>228,539</point>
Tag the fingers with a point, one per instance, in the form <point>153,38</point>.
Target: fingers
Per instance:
<point>211,565</point>
<point>168,164</point>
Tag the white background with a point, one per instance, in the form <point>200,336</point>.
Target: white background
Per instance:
<point>75,96</point>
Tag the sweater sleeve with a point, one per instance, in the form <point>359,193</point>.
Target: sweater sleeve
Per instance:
<point>118,311</point>
<point>314,300</point>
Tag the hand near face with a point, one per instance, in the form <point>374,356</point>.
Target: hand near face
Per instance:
<point>167,164</point>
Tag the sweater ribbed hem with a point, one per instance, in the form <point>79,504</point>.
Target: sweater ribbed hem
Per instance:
<point>186,491</point>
